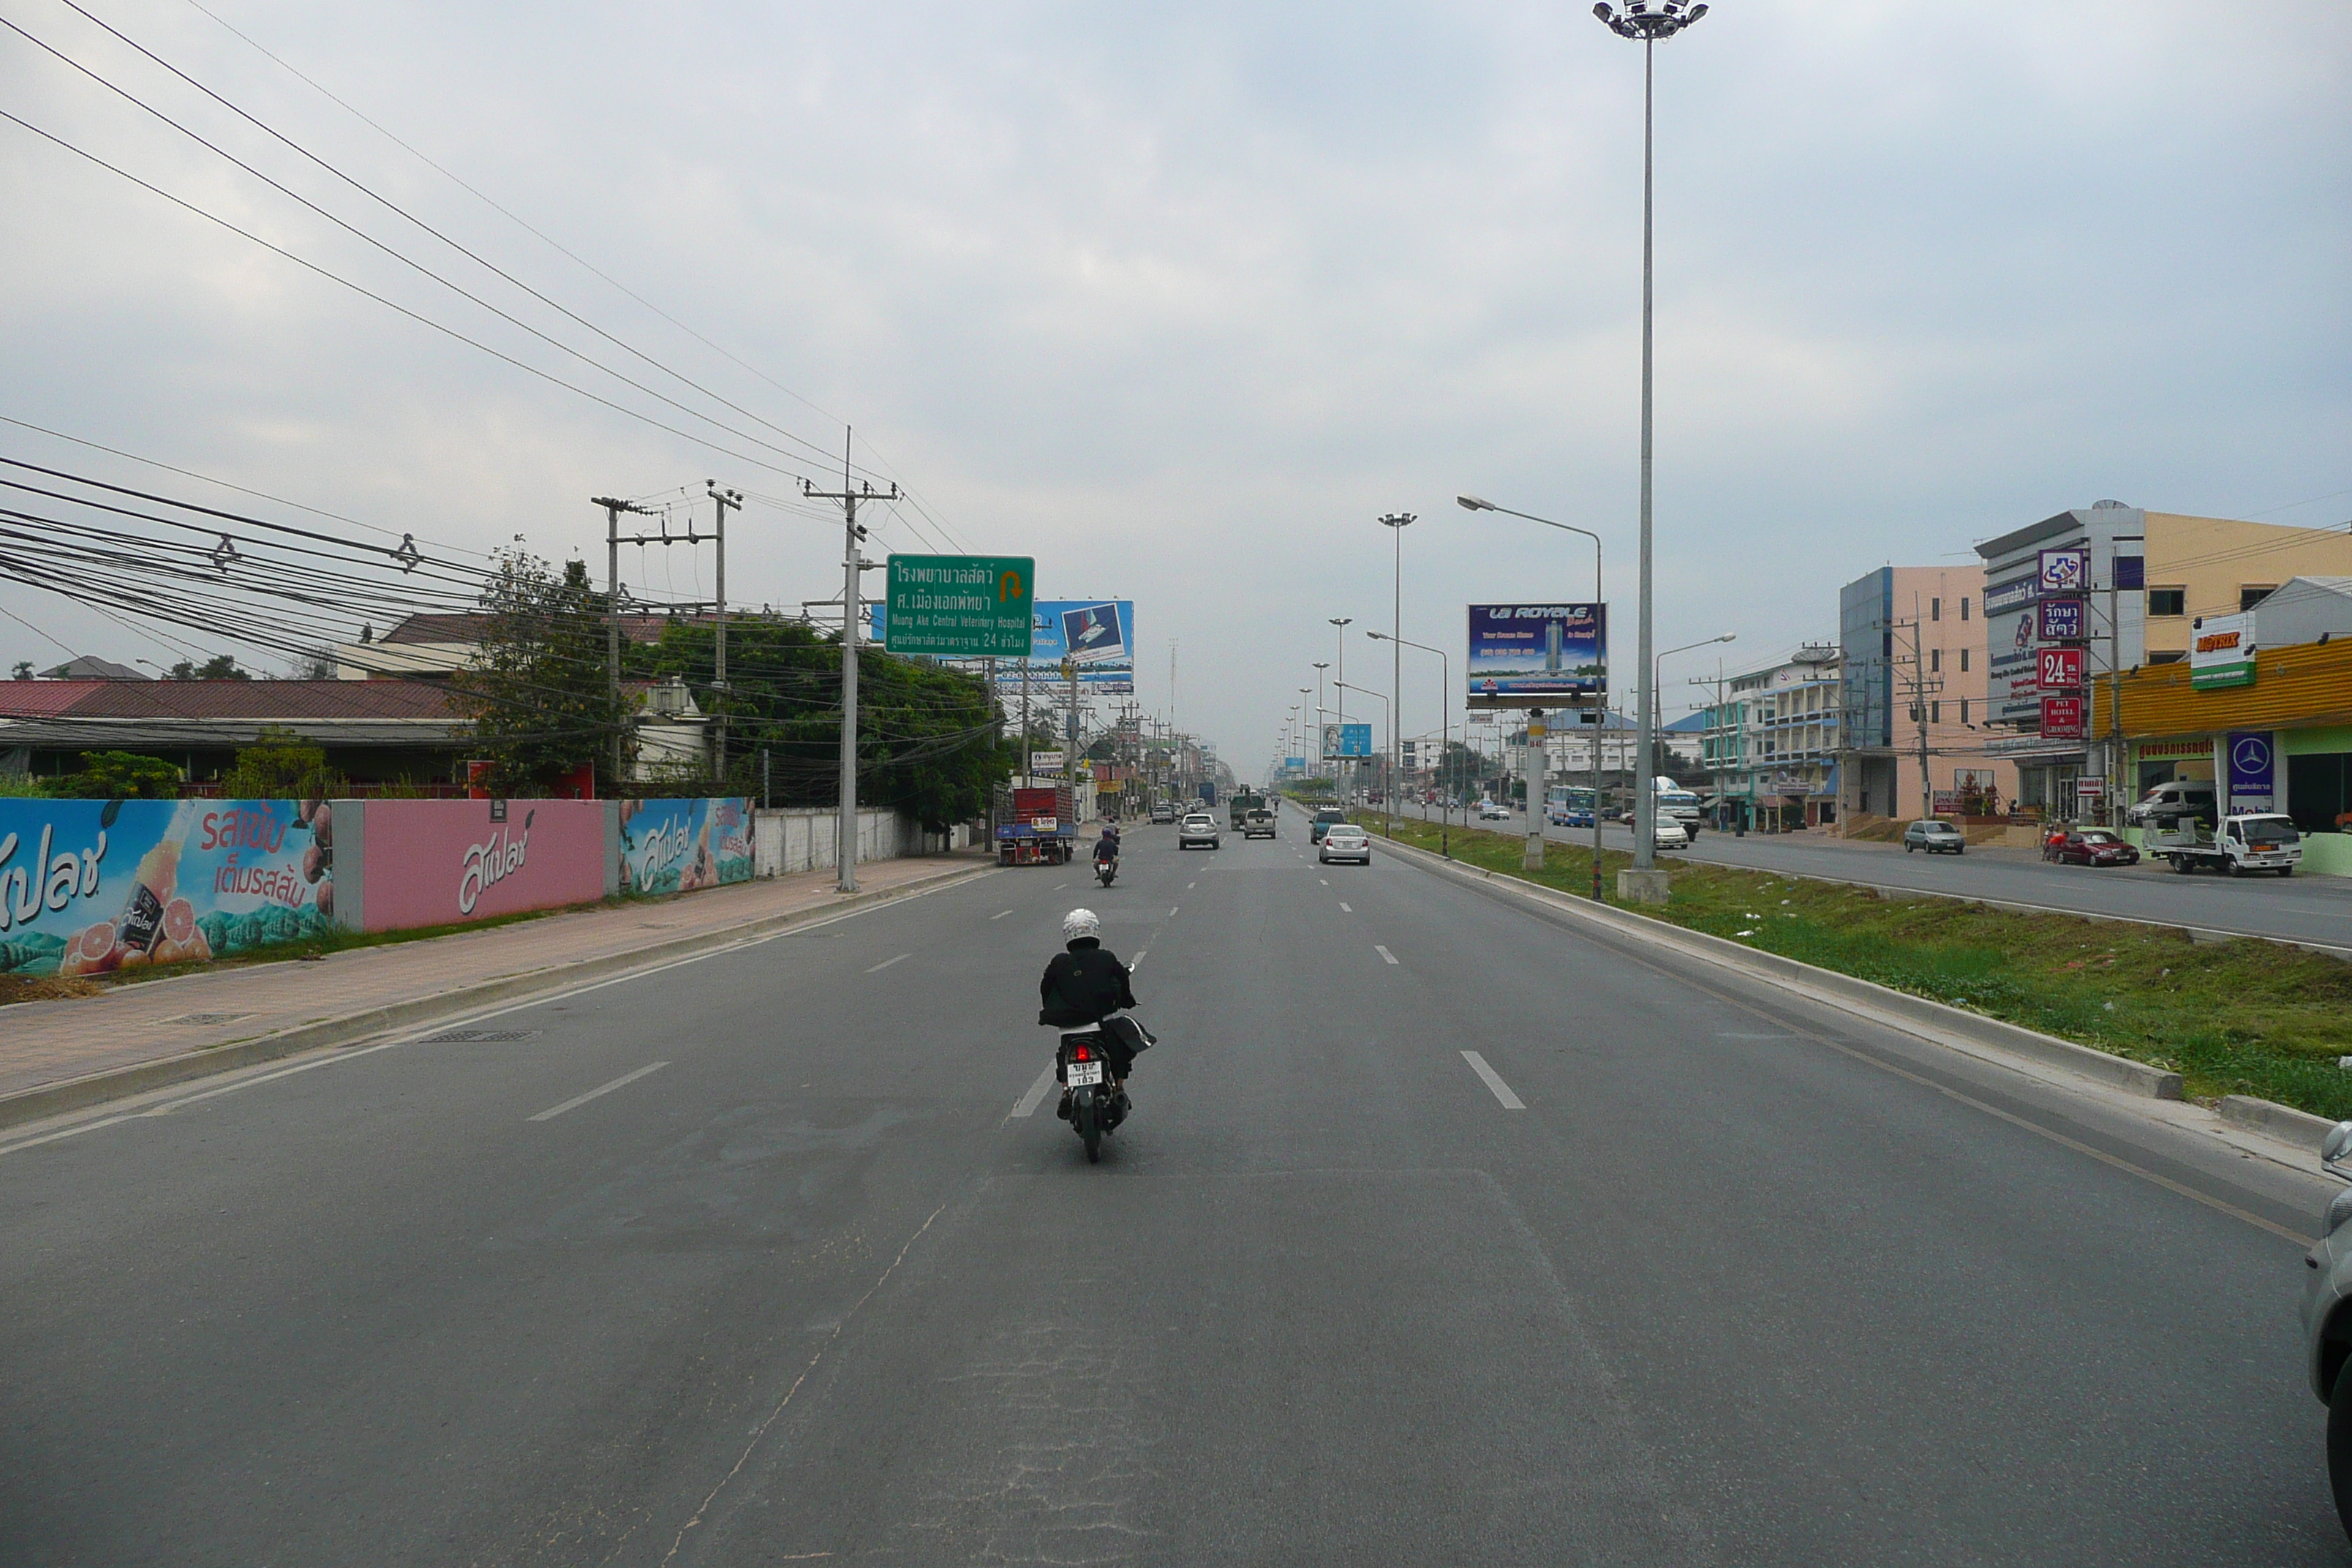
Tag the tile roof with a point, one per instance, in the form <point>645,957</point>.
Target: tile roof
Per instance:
<point>248,701</point>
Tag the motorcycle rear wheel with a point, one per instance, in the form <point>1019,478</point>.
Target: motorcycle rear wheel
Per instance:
<point>1087,1122</point>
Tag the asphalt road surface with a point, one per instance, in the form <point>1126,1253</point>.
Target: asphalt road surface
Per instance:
<point>2299,909</point>
<point>1441,1233</point>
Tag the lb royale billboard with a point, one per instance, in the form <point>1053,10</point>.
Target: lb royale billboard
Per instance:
<point>91,887</point>
<point>1537,656</point>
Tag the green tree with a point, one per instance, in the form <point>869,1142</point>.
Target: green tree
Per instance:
<point>280,766</point>
<point>24,670</point>
<point>220,667</point>
<point>927,735</point>
<point>537,690</point>
<point>116,775</point>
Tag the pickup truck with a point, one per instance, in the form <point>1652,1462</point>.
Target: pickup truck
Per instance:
<point>2241,845</point>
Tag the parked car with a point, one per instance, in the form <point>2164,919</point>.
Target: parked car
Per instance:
<point>2173,802</point>
<point>2091,847</point>
<point>1198,829</point>
<point>2328,1319</point>
<point>1671,834</point>
<point>1163,813</point>
<point>1494,811</point>
<point>1324,819</point>
<point>1345,841</point>
<point>1934,838</point>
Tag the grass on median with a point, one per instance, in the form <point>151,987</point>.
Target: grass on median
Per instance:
<point>2240,1017</point>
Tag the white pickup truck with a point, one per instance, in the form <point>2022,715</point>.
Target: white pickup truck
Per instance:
<point>2241,845</point>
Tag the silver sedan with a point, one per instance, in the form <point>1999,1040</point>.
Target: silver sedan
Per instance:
<point>1345,841</point>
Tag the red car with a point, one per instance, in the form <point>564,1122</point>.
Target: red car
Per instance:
<point>2096,846</point>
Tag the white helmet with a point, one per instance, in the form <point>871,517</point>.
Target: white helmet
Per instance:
<point>1078,923</point>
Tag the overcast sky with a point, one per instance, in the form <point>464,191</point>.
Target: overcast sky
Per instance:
<point>1180,300</point>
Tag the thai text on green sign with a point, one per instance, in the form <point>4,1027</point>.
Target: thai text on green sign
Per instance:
<point>959,606</point>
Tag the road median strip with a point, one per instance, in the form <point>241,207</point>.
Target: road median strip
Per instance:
<point>352,1028</point>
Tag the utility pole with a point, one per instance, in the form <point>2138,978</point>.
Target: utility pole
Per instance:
<point>723,499</point>
<point>2114,803</point>
<point>1348,794</point>
<point>1921,687</point>
<point>1070,737</point>
<point>849,496</point>
<point>613,507</point>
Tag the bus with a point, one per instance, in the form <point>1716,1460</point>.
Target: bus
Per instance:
<point>1568,806</point>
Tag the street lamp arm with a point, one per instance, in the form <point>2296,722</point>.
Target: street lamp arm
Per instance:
<point>1473,503</point>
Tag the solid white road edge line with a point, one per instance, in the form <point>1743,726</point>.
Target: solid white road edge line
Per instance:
<point>577,1101</point>
<point>888,962</point>
<point>1493,1081</point>
<point>341,1054</point>
<point>1030,1101</point>
<point>1385,954</point>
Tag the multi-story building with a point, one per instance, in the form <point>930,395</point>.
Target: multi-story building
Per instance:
<point>1913,645</point>
<point>1771,744</point>
<point>2149,577</point>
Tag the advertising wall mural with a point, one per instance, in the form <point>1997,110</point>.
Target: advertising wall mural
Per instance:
<point>441,862</point>
<point>91,887</point>
<point>678,846</point>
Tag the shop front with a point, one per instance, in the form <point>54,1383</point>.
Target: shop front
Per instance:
<point>2277,739</point>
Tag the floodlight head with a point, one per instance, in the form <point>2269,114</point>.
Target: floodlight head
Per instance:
<point>1650,19</point>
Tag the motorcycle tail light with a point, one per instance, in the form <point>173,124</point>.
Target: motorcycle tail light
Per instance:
<point>1082,1055</point>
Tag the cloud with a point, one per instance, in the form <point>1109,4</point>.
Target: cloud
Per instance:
<point>1180,300</point>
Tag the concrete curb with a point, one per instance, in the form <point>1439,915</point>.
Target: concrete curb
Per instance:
<point>95,1089</point>
<point>2283,1122</point>
<point>1931,1021</point>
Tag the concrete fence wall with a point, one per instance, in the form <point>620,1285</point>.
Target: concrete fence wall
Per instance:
<point>785,842</point>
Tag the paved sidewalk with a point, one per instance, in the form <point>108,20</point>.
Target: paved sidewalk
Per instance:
<point>48,1043</point>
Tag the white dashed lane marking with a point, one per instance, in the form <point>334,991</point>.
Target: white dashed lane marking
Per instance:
<point>1028,1102</point>
<point>1493,1081</point>
<point>1000,914</point>
<point>1386,955</point>
<point>577,1101</point>
<point>1344,908</point>
<point>888,962</point>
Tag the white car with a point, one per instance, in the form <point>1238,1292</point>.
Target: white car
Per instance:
<point>1198,829</point>
<point>1670,834</point>
<point>1345,841</point>
<point>1493,811</point>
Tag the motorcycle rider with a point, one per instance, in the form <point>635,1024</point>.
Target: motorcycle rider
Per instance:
<point>1085,985</point>
<point>1107,846</point>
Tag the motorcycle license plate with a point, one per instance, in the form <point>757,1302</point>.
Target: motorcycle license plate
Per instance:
<point>1085,1073</point>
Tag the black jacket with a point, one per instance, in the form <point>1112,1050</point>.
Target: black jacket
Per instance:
<point>1084,985</point>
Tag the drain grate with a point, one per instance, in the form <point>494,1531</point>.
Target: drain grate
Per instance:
<point>205,1018</point>
<point>477,1036</point>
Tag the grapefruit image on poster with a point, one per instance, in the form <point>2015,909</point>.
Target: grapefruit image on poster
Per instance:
<point>94,886</point>
<point>443,862</point>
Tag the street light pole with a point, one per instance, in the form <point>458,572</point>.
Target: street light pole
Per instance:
<point>1649,789</point>
<point>1340,682</point>
<point>1396,524</point>
<point>1601,683</point>
<point>1321,666</point>
<point>1647,20</point>
<point>1444,730</point>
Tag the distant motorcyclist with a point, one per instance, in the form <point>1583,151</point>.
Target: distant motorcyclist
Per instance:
<point>1084,985</point>
<point>1107,846</point>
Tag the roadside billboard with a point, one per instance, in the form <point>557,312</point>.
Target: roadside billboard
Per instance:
<point>1100,631</point>
<point>2013,673</point>
<point>2063,620</point>
<point>2061,718</point>
<point>89,887</point>
<point>442,862</point>
<point>1347,740</point>
<point>1537,656</point>
<point>678,846</point>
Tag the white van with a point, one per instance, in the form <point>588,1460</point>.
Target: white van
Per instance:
<point>2171,803</point>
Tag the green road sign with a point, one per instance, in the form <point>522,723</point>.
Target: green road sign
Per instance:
<point>959,606</point>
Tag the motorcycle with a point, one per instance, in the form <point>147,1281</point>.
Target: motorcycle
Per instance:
<point>1104,870</point>
<point>1091,1104</point>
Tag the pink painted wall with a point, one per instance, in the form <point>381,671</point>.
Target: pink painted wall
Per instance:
<point>439,862</point>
